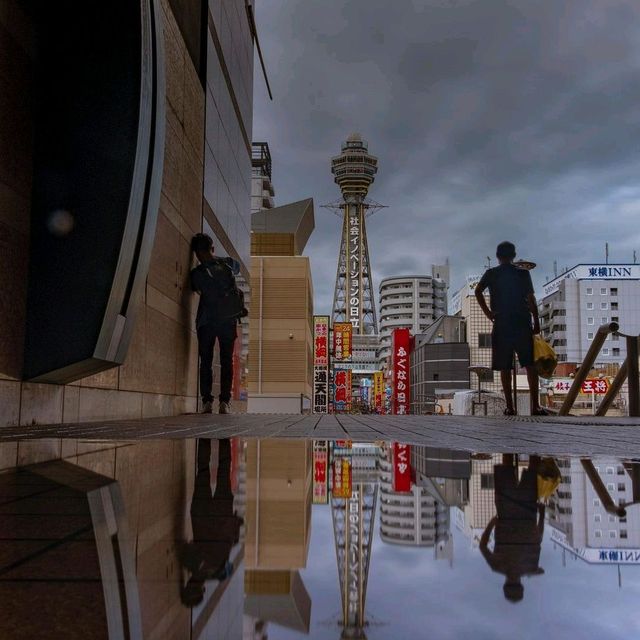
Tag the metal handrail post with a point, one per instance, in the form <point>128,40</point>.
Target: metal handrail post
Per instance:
<point>585,367</point>
<point>616,385</point>
<point>633,381</point>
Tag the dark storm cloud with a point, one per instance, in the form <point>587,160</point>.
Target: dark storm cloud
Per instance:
<point>491,119</point>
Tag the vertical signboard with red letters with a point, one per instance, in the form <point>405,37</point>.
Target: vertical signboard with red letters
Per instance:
<point>320,472</point>
<point>401,481</point>
<point>342,390</point>
<point>320,364</point>
<point>401,340</point>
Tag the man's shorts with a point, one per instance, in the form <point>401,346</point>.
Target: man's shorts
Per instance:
<point>507,338</point>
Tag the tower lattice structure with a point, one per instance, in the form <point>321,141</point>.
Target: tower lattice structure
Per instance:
<point>353,299</point>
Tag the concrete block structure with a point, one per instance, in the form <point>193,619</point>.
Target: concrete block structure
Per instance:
<point>104,327</point>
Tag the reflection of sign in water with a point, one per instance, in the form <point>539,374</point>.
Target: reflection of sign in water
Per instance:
<point>378,390</point>
<point>320,468</point>
<point>593,555</point>
<point>341,479</point>
<point>354,558</point>
<point>320,364</point>
<point>401,481</point>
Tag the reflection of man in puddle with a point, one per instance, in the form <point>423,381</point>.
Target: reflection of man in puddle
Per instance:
<point>519,525</point>
<point>216,528</point>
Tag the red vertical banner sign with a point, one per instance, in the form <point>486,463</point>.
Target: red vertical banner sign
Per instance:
<point>342,392</point>
<point>401,481</point>
<point>320,364</point>
<point>401,340</point>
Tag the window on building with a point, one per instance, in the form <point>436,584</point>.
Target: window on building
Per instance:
<point>598,533</point>
<point>604,320</point>
<point>603,291</point>
<point>615,337</point>
<point>596,502</point>
<point>623,533</point>
<point>486,481</point>
<point>613,534</point>
<point>613,291</point>
<point>605,352</point>
<point>622,486</point>
<point>623,519</point>
<point>597,518</point>
<point>590,321</point>
<point>614,306</point>
<point>604,306</point>
<point>610,486</point>
<point>436,376</point>
<point>615,319</point>
<point>589,306</point>
<point>616,351</point>
<point>609,470</point>
<point>484,340</point>
<point>590,335</point>
<point>612,518</point>
<point>589,291</point>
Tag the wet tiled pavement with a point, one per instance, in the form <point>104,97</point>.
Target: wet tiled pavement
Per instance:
<point>581,435</point>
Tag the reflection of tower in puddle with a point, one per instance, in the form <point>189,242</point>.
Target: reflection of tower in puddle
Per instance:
<point>419,517</point>
<point>278,527</point>
<point>353,519</point>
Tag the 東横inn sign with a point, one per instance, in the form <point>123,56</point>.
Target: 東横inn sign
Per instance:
<point>594,272</point>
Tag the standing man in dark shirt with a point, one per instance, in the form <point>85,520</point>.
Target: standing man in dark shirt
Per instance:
<point>513,305</point>
<point>207,279</point>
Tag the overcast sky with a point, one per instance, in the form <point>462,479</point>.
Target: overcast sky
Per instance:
<point>491,119</point>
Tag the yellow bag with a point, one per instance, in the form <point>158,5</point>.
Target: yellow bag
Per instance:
<point>544,356</point>
<point>548,478</point>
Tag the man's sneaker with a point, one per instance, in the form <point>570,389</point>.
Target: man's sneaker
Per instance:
<point>224,407</point>
<point>207,407</point>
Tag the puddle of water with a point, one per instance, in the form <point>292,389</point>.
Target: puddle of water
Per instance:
<point>321,539</point>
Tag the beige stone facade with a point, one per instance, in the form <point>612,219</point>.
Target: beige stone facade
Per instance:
<point>280,334</point>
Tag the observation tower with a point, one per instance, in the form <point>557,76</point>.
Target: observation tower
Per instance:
<point>353,299</point>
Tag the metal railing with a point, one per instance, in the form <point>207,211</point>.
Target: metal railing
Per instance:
<point>628,371</point>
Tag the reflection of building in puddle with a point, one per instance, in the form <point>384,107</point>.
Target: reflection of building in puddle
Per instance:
<point>473,517</point>
<point>62,563</point>
<point>580,522</point>
<point>278,528</point>
<point>419,517</point>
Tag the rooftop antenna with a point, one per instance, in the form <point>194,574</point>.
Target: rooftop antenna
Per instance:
<point>488,265</point>
<point>635,257</point>
<point>606,252</point>
<point>555,268</point>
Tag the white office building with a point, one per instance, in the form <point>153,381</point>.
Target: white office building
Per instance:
<point>577,302</point>
<point>412,302</point>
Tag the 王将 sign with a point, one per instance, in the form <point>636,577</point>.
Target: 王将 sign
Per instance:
<point>595,385</point>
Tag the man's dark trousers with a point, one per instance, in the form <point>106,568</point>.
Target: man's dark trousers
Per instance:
<point>225,334</point>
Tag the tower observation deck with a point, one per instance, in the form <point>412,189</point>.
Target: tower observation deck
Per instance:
<point>353,301</point>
